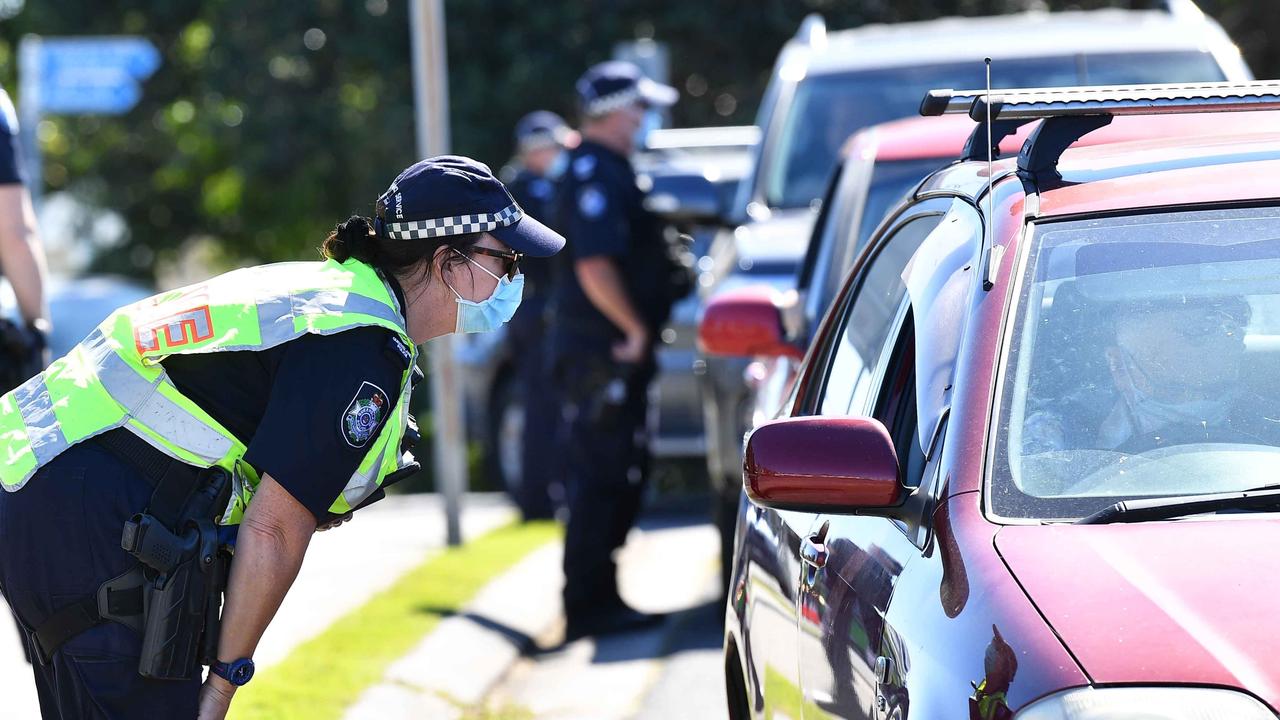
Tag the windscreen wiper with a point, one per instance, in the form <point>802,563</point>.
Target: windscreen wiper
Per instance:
<point>1266,497</point>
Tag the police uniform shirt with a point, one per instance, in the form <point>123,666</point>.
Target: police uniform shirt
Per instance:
<point>536,196</point>
<point>10,167</point>
<point>603,215</point>
<point>308,410</point>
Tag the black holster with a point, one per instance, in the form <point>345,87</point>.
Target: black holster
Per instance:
<point>185,573</point>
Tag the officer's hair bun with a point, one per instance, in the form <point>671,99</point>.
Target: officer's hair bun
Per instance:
<point>352,237</point>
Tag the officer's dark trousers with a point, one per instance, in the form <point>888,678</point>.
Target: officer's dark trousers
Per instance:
<point>59,540</point>
<point>538,462</point>
<point>606,465</point>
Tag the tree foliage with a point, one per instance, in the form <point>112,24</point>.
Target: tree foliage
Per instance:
<point>269,122</point>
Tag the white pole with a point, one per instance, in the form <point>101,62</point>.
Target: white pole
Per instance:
<point>431,103</point>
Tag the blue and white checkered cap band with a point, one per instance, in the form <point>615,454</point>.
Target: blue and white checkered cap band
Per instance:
<point>459,225</point>
<point>614,101</point>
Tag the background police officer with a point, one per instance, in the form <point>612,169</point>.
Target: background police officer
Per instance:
<point>23,344</point>
<point>612,294</point>
<point>541,137</point>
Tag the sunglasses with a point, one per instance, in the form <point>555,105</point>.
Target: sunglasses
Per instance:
<point>511,266</point>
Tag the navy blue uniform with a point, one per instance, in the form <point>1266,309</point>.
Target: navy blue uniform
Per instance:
<point>526,334</point>
<point>61,533</point>
<point>604,403</point>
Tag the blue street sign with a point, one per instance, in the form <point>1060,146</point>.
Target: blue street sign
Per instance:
<point>93,74</point>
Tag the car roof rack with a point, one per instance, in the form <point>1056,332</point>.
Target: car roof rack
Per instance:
<point>1071,113</point>
<point>976,147</point>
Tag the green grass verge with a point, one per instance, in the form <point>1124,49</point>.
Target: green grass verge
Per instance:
<point>325,675</point>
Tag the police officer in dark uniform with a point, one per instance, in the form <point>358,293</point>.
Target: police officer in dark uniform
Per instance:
<point>612,295</point>
<point>541,137</point>
<point>269,391</point>
<point>23,345</point>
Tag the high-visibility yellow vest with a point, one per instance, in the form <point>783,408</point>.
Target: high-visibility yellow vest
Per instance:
<point>114,378</point>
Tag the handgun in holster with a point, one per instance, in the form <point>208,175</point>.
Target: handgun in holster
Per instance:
<point>185,572</point>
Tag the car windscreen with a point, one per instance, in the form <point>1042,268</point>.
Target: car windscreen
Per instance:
<point>1144,361</point>
<point>827,108</point>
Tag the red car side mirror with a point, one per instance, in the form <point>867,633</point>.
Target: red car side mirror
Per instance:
<point>744,323</point>
<point>822,464</point>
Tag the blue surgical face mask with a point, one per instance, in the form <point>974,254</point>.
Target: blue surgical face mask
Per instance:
<point>492,312</point>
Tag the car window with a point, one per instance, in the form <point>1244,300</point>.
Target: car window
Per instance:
<point>1144,361</point>
<point>890,183</point>
<point>869,322</point>
<point>895,404</point>
<point>827,108</point>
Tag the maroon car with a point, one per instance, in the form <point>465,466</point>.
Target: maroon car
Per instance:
<point>1029,464</point>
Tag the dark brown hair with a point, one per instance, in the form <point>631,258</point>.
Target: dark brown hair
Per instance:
<point>355,238</point>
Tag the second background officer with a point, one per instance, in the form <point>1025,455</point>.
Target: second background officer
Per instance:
<point>612,295</point>
<point>541,138</point>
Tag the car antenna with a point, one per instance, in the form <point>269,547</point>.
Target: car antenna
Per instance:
<point>993,256</point>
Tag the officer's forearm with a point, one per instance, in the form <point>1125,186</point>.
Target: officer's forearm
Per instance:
<point>602,283</point>
<point>271,542</point>
<point>21,256</point>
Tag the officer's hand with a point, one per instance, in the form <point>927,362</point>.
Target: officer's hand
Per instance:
<point>633,348</point>
<point>215,698</point>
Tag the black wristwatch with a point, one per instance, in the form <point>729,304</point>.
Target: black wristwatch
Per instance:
<point>237,672</point>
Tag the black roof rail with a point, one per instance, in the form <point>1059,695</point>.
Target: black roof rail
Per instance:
<point>1071,113</point>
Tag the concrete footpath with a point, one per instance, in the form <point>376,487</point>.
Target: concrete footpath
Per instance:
<point>343,569</point>
<point>503,656</point>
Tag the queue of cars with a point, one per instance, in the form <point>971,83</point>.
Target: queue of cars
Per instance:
<point>828,85</point>
<point>1020,470</point>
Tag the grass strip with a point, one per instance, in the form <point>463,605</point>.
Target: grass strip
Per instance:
<point>322,677</point>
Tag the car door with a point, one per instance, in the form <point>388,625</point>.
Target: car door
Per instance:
<point>850,562</point>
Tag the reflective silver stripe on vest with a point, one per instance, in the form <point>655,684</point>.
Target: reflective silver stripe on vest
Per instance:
<point>43,431</point>
<point>362,485</point>
<point>276,314</point>
<point>143,401</point>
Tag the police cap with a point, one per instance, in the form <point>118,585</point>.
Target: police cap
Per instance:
<point>454,195</point>
<point>540,128</point>
<point>612,85</point>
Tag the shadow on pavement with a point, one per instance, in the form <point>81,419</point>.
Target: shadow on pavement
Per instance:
<point>698,628</point>
<point>518,639</point>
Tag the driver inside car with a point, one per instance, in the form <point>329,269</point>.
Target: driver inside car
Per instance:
<point>1175,364</point>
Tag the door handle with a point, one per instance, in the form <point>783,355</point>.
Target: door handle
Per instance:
<point>813,551</point>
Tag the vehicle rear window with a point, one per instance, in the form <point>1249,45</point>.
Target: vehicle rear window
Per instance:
<point>828,108</point>
<point>1144,361</point>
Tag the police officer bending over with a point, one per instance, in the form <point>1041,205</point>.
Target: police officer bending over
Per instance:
<point>541,137</point>
<point>613,294</point>
<point>270,400</point>
<point>22,345</point>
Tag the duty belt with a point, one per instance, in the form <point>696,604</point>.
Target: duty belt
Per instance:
<point>121,599</point>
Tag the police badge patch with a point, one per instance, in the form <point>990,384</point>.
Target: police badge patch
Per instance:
<point>362,418</point>
<point>592,202</point>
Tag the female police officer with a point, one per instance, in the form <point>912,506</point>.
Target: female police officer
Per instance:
<point>272,398</point>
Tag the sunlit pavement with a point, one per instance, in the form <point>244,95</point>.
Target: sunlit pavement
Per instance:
<point>672,671</point>
<point>367,554</point>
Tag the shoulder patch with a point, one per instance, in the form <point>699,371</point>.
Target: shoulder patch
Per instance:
<point>584,166</point>
<point>364,415</point>
<point>398,351</point>
<point>592,202</point>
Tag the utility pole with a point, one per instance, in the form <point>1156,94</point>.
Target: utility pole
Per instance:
<point>431,105</point>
